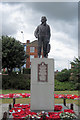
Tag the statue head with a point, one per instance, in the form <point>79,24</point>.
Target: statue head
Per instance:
<point>43,19</point>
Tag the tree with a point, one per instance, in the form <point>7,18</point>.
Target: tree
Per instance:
<point>13,54</point>
<point>63,76</point>
<point>0,61</point>
<point>75,71</point>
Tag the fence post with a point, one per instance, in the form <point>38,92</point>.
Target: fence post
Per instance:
<point>13,101</point>
<point>10,106</point>
<point>64,101</point>
<point>71,106</point>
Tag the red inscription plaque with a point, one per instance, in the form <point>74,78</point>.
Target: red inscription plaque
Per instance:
<point>42,72</point>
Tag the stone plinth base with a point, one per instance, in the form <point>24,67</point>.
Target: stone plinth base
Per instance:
<point>42,84</point>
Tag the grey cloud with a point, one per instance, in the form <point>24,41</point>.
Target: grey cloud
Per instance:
<point>54,10</point>
<point>8,29</point>
<point>59,14</point>
<point>24,18</point>
<point>66,11</point>
<point>29,14</point>
<point>62,16</point>
<point>10,25</point>
<point>70,29</point>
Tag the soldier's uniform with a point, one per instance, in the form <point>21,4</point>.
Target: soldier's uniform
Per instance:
<point>43,34</point>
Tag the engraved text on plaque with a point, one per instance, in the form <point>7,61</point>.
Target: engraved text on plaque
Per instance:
<point>43,72</point>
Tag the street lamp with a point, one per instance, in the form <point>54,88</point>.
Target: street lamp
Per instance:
<point>23,44</point>
<point>22,36</point>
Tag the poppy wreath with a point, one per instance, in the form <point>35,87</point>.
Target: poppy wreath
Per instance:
<point>23,112</point>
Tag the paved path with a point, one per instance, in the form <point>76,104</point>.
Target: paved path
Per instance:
<point>3,108</point>
<point>76,109</point>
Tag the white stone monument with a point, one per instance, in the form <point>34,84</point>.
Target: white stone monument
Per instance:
<point>42,84</point>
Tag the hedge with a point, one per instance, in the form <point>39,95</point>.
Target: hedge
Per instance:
<point>20,81</point>
<point>62,86</point>
<point>27,71</point>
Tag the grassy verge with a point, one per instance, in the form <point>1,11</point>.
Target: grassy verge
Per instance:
<point>67,92</point>
<point>15,91</point>
<point>28,91</point>
<point>27,101</point>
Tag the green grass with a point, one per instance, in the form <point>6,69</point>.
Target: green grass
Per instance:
<point>28,91</point>
<point>67,92</point>
<point>17,100</point>
<point>15,91</point>
<point>27,100</point>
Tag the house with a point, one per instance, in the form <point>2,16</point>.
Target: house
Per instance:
<point>31,49</point>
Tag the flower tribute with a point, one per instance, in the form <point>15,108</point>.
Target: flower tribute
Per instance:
<point>27,95</point>
<point>23,112</point>
<point>67,116</point>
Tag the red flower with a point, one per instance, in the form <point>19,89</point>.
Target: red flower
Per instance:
<point>60,112</point>
<point>54,117</point>
<point>69,110</point>
<point>33,113</point>
<point>17,105</point>
<point>56,95</point>
<point>65,96</point>
<point>57,107</point>
<point>52,113</point>
<point>22,111</point>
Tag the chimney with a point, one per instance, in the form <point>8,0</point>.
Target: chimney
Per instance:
<point>28,41</point>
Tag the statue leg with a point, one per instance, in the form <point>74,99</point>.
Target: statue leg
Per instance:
<point>39,47</point>
<point>45,48</point>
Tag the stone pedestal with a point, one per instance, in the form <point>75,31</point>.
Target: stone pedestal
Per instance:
<point>42,84</point>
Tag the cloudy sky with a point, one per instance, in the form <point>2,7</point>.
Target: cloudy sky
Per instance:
<point>62,18</point>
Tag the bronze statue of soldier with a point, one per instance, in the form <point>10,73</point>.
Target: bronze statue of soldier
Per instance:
<point>42,32</point>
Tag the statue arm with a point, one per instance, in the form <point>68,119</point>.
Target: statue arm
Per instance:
<point>36,32</point>
<point>49,33</point>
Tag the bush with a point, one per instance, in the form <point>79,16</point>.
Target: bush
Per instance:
<point>62,86</point>
<point>27,71</point>
<point>14,81</point>
<point>4,72</point>
<point>22,82</point>
<point>77,86</point>
<point>63,76</point>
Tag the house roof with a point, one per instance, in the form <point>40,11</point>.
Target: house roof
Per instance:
<point>33,43</point>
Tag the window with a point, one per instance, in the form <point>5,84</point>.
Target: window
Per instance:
<point>41,56</point>
<point>31,56</point>
<point>25,48</point>
<point>24,65</point>
<point>32,49</point>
